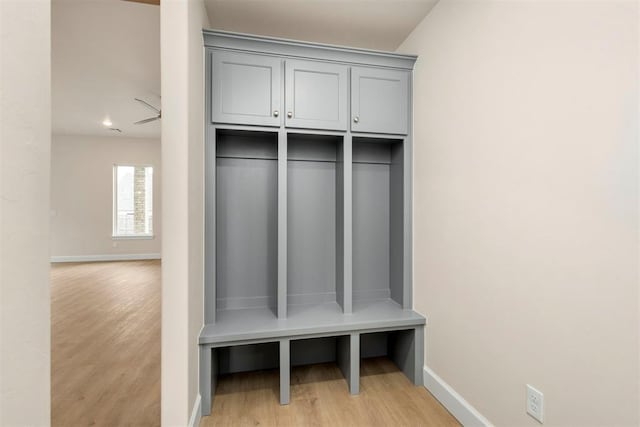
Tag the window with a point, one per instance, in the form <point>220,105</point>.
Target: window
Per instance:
<point>132,201</point>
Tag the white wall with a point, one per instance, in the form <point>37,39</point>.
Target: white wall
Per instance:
<point>182,156</point>
<point>82,194</point>
<point>25,138</point>
<point>526,205</point>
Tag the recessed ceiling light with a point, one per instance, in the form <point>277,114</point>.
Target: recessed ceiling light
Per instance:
<point>107,123</point>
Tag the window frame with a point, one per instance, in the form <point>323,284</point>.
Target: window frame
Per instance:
<point>114,204</point>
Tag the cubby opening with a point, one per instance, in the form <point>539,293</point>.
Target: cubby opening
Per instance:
<point>378,219</point>
<point>247,358</point>
<point>398,346</point>
<point>246,220</point>
<point>314,219</point>
<point>314,351</point>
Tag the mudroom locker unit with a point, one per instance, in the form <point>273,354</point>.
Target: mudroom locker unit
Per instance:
<point>308,209</point>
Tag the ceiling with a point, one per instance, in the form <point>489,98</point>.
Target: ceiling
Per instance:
<point>373,24</point>
<point>104,54</point>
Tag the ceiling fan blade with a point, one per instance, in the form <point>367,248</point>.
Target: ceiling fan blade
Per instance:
<point>150,119</point>
<point>156,2</point>
<point>148,105</point>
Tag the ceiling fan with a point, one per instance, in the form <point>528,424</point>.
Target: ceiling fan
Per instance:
<point>150,119</point>
<point>157,2</point>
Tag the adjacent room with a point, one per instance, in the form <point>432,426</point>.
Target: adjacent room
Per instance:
<point>106,216</point>
<point>309,212</point>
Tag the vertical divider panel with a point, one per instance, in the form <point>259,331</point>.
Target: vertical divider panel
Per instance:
<point>347,217</point>
<point>347,208</point>
<point>208,378</point>
<point>214,373</point>
<point>355,363</point>
<point>419,356</point>
<point>340,217</point>
<point>210,227</point>
<point>340,225</point>
<point>348,358</point>
<point>407,294</point>
<point>209,202</point>
<point>397,225</point>
<point>282,224</point>
<point>285,370</point>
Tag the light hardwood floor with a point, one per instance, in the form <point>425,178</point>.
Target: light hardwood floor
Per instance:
<point>105,366</point>
<point>105,344</point>
<point>320,397</point>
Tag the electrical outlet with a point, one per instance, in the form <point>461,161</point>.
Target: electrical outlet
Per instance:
<point>535,403</point>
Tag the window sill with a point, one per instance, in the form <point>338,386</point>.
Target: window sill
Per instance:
<point>134,237</point>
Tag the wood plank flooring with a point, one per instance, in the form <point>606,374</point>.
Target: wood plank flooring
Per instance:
<point>320,397</point>
<point>105,344</point>
<point>105,366</point>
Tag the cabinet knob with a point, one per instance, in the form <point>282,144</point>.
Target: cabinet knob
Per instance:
<point>289,114</point>
<point>356,119</point>
<point>276,113</point>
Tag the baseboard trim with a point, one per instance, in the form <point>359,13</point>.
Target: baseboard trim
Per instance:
<point>450,399</point>
<point>194,420</point>
<point>98,258</point>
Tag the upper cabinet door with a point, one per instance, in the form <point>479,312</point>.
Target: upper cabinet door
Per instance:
<point>316,95</point>
<point>379,100</point>
<point>246,89</point>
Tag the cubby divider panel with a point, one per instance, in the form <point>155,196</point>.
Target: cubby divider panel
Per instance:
<point>246,220</point>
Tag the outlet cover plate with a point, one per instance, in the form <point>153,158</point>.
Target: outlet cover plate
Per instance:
<point>535,403</point>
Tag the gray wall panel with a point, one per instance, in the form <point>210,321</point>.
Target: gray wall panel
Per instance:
<point>246,230</point>
<point>311,228</point>
<point>370,230</point>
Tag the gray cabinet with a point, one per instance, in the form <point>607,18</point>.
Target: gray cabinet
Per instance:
<point>316,95</point>
<point>307,211</point>
<point>246,89</point>
<point>379,100</point>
